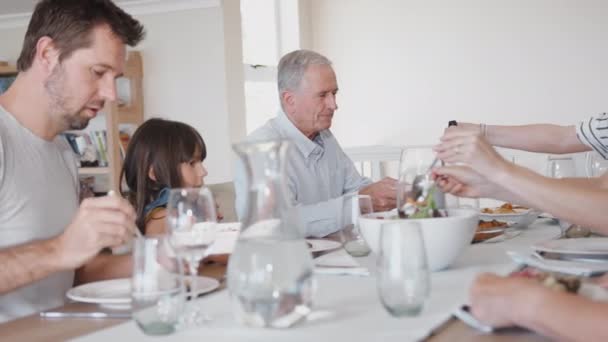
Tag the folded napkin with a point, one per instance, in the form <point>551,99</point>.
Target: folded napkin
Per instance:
<point>224,243</point>
<point>227,234</point>
<point>578,268</point>
<point>339,263</point>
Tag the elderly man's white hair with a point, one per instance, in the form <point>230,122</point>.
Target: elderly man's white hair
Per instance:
<point>293,66</point>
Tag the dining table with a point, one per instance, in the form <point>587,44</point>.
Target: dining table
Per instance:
<point>346,307</point>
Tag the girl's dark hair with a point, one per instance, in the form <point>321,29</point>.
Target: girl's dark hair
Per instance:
<point>70,23</point>
<point>159,145</point>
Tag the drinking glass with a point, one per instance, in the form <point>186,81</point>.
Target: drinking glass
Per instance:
<point>560,167</point>
<point>461,202</point>
<point>353,206</point>
<point>403,276</point>
<point>595,165</point>
<point>414,165</point>
<point>157,289</point>
<point>192,223</point>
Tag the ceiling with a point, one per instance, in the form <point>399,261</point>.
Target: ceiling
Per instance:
<point>24,6</point>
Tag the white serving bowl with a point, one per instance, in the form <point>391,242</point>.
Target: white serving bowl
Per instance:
<point>445,238</point>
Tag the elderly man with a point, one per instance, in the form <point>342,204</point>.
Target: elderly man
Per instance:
<point>320,173</point>
<point>72,54</point>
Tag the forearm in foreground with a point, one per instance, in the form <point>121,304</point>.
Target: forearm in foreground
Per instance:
<point>25,264</point>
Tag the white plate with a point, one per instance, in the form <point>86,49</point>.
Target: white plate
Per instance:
<point>504,217</point>
<point>224,227</point>
<point>118,291</point>
<point>115,291</point>
<point>596,247</point>
<point>506,235</point>
<point>521,217</point>
<point>202,284</point>
<point>320,245</point>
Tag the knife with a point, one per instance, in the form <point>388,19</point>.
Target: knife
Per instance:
<point>86,315</point>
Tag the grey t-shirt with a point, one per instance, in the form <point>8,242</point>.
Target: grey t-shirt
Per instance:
<point>38,199</point>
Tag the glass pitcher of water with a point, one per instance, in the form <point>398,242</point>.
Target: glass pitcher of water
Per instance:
<point>270,271</point>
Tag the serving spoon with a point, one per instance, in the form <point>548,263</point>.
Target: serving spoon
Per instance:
<point>422,184</point>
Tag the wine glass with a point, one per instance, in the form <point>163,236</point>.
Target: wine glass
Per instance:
<point>561,167</point>
<point>403,276</point>
<point>353,206</point>
<point>595,165</point>
<point>192,222</point>
<point>415,166</point>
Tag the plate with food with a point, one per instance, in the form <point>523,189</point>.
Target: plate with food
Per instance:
<point>582,286</point>
<point>487,230</point>
<point>555,281</point>
<point>517,215</point>
<point>592,248</point>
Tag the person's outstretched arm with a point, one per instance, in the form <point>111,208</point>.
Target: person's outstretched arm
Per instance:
<point>543,138</point>
<point>482,172</point>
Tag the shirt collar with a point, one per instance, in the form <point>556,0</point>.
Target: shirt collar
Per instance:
<point>309,148</point>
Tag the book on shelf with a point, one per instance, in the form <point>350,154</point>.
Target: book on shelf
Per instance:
<point>102,148</point>
<point>91,147</point>
<point>71,138</point>
<point>125,132</point>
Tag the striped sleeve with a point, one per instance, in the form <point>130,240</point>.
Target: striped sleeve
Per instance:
<point>593,132</point>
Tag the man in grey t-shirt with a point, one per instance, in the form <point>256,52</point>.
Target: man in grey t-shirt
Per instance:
<point>72,53</point>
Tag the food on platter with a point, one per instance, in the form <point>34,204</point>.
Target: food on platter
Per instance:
<point>551,280</point>
<point>507,208</point>
<point>489,229</point>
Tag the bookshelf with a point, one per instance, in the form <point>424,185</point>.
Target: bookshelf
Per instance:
<point>92,171</point>
<point>6,69</point>
<point>7,75</point>
<point>117,113</point>
<point>123,111</point>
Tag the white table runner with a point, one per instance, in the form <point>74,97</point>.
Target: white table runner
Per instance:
<point>347,308</point>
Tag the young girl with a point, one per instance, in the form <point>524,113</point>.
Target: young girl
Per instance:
<point>161,155</point>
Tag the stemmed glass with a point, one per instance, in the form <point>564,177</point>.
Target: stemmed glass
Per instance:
<point>415,165</point>
<point>561,167</point>
<point>595,165</point>
<point>403,276</point>
<point>353,207</point>
<point>192,223</point>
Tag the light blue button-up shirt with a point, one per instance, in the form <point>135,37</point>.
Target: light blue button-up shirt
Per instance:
<point>318,174</point>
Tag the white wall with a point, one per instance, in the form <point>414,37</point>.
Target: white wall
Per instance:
<point>184,77</point>
<point>10,43</point>
<point>406,67</point>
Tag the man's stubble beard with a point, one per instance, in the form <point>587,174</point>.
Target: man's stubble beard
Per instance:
<point>55,88</point>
